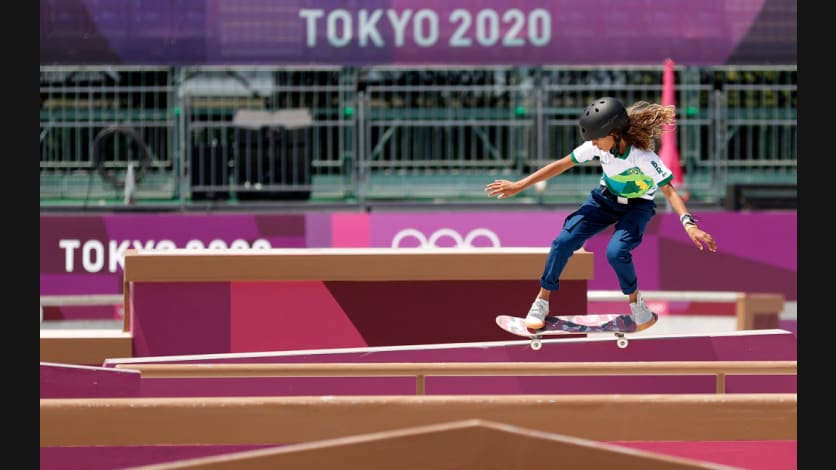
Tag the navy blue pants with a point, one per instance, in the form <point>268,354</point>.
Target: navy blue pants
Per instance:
<point>597,213</point>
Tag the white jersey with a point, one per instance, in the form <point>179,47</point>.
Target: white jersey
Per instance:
<point>637,173</point>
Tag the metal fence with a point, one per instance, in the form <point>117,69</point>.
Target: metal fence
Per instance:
<point>97,121</point>
<point>233,134</point>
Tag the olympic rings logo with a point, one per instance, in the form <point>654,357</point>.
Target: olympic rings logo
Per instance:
<point>446,233</point>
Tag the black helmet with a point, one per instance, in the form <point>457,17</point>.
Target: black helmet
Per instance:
<point>603,116</point>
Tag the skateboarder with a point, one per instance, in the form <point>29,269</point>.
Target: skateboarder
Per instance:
<point>623,139</point>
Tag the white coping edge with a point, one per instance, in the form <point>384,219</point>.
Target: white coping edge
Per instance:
<point>481,345</point>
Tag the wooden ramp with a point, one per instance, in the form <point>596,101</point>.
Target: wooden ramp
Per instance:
<point>476,444</point>
<point>240,406</point>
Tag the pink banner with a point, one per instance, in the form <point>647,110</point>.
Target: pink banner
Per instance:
<point>417,32</point>
<point>757,251</point>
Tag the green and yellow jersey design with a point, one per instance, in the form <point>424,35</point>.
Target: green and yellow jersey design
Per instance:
<point>637,173</point>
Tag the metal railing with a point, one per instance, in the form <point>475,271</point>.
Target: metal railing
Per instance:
<point>232,134</point>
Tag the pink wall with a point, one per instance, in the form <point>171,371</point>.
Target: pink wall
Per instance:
<point>81,254</point>
<point>262,316</point>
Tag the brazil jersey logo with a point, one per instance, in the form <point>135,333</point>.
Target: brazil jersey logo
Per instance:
<point>629,183</point>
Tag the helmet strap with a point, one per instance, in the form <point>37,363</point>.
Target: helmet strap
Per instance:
<point>616,149</point>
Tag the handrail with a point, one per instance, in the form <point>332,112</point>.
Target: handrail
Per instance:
<point>719,369</point>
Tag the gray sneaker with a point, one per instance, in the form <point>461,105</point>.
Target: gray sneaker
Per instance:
<point>536,317</point>
<point>643,316</point>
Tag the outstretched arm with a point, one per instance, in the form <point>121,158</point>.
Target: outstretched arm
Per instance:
<point>697,235</point>
<point>505,188</point>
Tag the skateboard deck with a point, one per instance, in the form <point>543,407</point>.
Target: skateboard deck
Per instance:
<point>617,324</point>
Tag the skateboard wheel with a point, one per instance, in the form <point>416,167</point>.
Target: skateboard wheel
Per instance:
<point>621,342</point>
<point>536,344</point>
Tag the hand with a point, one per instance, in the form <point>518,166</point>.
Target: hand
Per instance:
<point>503,188</point>
<point>698,236</point>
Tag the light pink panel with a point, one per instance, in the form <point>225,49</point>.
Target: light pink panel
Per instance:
<point>350,230</point>
<point>269,316</point>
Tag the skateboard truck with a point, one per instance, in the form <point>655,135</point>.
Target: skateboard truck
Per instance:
<point>537,341</point>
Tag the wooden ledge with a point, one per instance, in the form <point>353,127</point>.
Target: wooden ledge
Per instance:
<point>84,347</point>
<point>460,444</point>
<point>344,264</point>
<point>285,420</point>
<point>752,305</point>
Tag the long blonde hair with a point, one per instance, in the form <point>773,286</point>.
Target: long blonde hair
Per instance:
<point>648,122</point>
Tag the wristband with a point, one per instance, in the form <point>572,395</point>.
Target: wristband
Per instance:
<point>687,219</point>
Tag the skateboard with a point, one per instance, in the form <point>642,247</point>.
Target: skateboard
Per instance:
<point>617,324</point>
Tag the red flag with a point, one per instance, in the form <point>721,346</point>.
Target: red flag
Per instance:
<point>668,150</point>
